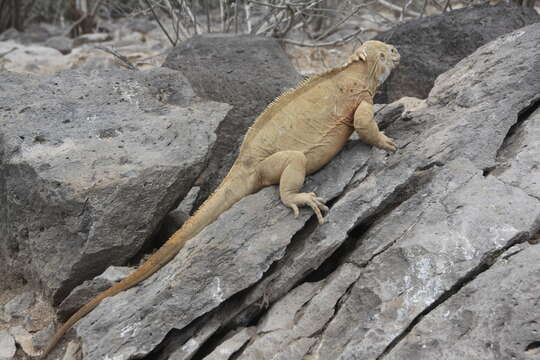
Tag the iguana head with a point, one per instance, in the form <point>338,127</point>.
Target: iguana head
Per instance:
<point>381,59</point>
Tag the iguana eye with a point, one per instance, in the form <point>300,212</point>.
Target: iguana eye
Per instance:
<point>382,56</point>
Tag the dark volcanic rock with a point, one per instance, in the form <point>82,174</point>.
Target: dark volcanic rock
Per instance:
<point>246,72</point>
<point>432,45</point>
<point>90,164</point>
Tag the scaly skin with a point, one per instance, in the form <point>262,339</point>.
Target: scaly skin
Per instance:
<point>300,132</point>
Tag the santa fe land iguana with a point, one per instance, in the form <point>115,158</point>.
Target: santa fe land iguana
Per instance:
<point>297,134</point>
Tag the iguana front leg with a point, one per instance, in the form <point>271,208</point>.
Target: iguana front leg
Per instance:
<point>367,128</point>
<point>289,169</point>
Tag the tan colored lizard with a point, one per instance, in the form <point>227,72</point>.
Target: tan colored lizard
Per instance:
<point>297,134</point>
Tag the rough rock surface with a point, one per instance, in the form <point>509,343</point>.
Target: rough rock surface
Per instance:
<point>433,44</point>
<point>90,164</point>
<point>7,346</point>
<point>18,306</point>
<point>31,58</point>
<point>518,161</point>
<point>495,316</point>
<point>247,72</point>
<point>24,339</point>
<point>405,236</point>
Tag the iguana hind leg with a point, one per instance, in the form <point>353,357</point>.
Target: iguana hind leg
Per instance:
<point>289,169</point>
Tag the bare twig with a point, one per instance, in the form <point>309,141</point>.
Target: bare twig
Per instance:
<point>247,10</point>
<point>7,52</point>
<point>236,4</point>
<point>333,28</point>
<point>329,43</point>
<point>404,9</point>
<point>121,57</point>
<point>159,22</point>
<point>397,8</point>
<point>207,10</point>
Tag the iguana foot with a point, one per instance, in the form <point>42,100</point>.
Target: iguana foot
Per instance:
<point>309,199</point>
<point>386,143</point>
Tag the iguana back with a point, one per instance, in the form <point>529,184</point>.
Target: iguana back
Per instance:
<point>314,118</point>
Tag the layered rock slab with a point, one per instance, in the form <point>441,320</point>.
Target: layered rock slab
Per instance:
<point>423,249</point>
<point>90,164</point>
<point>495,316</point>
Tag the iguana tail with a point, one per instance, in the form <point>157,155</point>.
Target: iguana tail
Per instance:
<point>231,190</point>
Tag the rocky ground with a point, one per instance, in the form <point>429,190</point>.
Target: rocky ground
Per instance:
<point>428,253</point>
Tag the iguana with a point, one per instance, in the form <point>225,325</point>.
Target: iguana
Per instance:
<point>297,134</point>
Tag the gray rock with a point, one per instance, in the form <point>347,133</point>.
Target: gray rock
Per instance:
<point>91,39</point>
<point>41,338</point>
<point>432,45</point>
<point>7,346</point>
<point>19,306</point>
<point>90,288</point>
<point>245,71</point>
<point>231,345</point>
<point>24,339</point>
<point>495,316</point>
<point>33,33</point>
<point>286,331</point>
<point>72,351</point>
<point>60,43</point>
<point>518,160</point>
<point>90,164</point>
<point>415,255</point>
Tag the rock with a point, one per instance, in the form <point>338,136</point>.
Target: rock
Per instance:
<point>484,321</point>
<point>91,39</point>
<point>10,34</point>
<point>72,351</point>
<point>60,43</point>
<point>90,288</point>
<point>245,71</point>
<point>518,161</point>
<point>410,229</point>
<point>432,45</point>
<point>24,339</point>
<point>232,345</point>
<point>431,243</point>
<point>19,306</point>
<point>41,338</point>
<point>90,165</point>
<point>33,33</point>
<point>7,346</point>
<point>35,59</point>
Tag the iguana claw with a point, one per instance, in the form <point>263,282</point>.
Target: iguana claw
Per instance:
<point>386,143</point>
<point>309,199</point>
